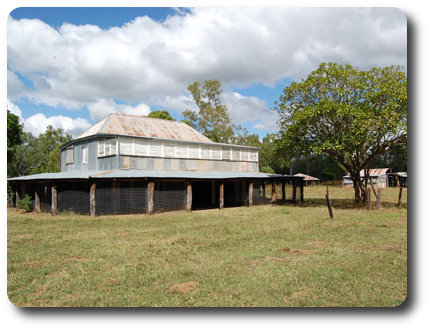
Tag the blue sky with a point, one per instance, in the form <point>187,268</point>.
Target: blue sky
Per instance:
<point>70,67</point>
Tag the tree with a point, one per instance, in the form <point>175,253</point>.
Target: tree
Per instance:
<point>160,114</point>
<point>14,135</point>
<point>211,119</point>
<point>38,155</point>
<point>351,115</point>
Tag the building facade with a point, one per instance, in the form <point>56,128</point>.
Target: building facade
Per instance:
<point>136,164</point>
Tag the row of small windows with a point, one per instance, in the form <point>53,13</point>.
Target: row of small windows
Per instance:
<point>136,147</point>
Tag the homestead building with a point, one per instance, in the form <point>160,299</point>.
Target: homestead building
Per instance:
<point>135,164</point>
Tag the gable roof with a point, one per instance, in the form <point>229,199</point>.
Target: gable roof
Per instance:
<point>143,126</point>
<point>376,171</point>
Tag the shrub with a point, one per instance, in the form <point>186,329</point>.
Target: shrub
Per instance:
<point>25,204</point>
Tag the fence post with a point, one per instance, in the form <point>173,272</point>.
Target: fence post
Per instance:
<point>93,188</point>
<point>399,202</point>
<point>378,199</point>
<point>150,199</point>
<point>369,198</point>
<point>327,199</point>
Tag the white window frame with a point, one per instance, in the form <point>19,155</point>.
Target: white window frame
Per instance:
<point>68,151</point>
<point>85,154</point>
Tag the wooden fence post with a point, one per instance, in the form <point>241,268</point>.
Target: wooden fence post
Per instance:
<point>93,188</point>
<point>399,202</point>
<point>369,198</point>
<point>327,199</point>
<point>378,199</point>
<point>150,198</point>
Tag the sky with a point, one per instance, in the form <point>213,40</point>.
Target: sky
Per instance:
<point>71,67</point>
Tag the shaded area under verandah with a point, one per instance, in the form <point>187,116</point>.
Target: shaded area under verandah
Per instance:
<point>105,194</point>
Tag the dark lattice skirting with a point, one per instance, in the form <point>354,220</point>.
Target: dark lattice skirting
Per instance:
<point>128,197</point>
<point>73,196</point>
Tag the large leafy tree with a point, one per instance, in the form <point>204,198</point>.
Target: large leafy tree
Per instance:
<point>14,134</point>
<point>38,155</point>
<point>351,115</point>
<point>211,119</point>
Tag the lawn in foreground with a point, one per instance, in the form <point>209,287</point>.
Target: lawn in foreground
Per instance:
<point>260,256</point>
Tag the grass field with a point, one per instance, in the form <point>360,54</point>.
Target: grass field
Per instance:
<point>259,256</point>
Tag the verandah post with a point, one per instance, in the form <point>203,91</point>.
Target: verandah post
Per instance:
<point>36,202</point>
<point>54,209</point>
<point>273,192</point>
<point>150,199</point>
<point>189,203</point>
<point>221,195</point>
<point>294,191</point>
<point>93,188</point>
<point>250,193</point>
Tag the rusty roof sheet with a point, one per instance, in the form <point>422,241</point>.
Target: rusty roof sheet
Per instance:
<point>143,126</point>
<point>376,171</point>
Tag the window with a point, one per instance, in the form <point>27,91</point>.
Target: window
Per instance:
<point>70,155</point>
<point>107,147</point>
<point>85,154</point>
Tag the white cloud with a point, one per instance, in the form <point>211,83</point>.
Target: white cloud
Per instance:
<point>150,62</point>
<point>101,108</point>
<point>38,123</point>
<point>250,109</point>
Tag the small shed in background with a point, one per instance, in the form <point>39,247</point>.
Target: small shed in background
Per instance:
<point>379,177</point>
<point>307,179</point>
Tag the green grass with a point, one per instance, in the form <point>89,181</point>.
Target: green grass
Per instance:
<point>259,256</point>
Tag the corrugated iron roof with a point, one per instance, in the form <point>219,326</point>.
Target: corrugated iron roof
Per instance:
<point>376,171</point>
<point>57,175</point>
<point>307,177</point>
<point>143,126</point>
<point>124,173</point>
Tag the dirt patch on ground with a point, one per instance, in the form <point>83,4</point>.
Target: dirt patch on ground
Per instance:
<point>316,244</point>
<point>296,251</point>
<point>275,259</point>
<point>389,247</point>
<point>184,287</point>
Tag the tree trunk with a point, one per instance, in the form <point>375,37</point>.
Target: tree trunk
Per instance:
<point>359,188</point>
